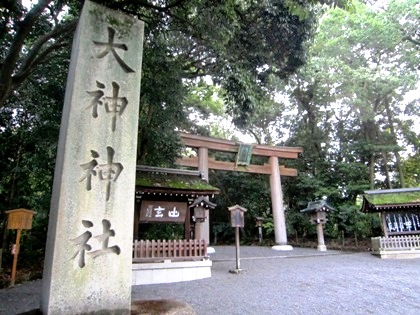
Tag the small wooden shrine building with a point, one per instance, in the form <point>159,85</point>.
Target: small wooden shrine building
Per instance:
<point>165,195</point>
<point>171,196</point>
<point>400,216</point>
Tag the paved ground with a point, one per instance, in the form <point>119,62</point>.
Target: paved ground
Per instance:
<point>302,281</point>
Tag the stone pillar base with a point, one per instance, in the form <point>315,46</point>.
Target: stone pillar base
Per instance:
<point>282,247</point>
<point>322,248</point>
<point>210,250</point>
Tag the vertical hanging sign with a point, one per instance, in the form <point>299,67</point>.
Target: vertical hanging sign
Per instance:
<point>89,247</point>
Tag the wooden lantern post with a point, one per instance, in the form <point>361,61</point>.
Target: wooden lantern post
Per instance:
<point>18,219</point>
<point>238,220</point>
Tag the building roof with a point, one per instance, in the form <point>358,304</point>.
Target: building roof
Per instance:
<point>237,207</point>
<point>317,206</point>
<point>152,180</point>
<point>391,200</point>
<point>203,202</point>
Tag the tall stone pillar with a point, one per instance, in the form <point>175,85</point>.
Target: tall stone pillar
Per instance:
<point>320,232</point>
<point>277,205</point>
<point>88,264</point>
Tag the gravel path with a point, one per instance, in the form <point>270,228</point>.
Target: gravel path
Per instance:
<point>302,281</point>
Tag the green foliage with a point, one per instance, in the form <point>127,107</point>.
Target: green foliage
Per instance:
<point>345,110</point>
<point>174,182</point>
<point>223,232</point>
<point>29,128</point>
<point>394,198</point>
<point>161,231</point>
<point>161,110</point>
<point>247,190</point>
<point>250,191</point>
<point>268,228</point>
<point>353,223</point>
<point>205,99</point>
<point>299,224</point>
<point>348,99</point>
<point>412,170</point>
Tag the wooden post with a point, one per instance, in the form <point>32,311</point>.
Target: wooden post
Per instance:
<point>136,220</point>
<point>277,203</point>
<point>383,220</point>
<point>238,262</point>
<point>237,217</point>
<point>238,269</point>
<point>18,219</point>
<point>15,258</point>
<point>187,224</point>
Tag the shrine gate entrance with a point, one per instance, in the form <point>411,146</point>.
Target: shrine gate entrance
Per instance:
<point>244,152</point>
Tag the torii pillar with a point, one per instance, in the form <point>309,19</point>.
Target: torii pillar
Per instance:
<point>203,167</point>
<point>277,206</point>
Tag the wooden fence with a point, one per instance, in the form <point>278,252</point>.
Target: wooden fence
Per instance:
<point>406,242</point>
<point>160,250</point>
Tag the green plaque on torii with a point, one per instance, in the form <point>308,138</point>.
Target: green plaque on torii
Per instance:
<point>244,154</point>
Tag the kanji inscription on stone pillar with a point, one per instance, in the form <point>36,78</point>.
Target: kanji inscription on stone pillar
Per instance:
<point>88,262</point>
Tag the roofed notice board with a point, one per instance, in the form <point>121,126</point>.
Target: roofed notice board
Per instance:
<point>162,211</point>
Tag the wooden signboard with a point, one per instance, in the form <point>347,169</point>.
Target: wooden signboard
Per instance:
<point>20,219</point>
<point>237,216</point>
<point>162,211</point>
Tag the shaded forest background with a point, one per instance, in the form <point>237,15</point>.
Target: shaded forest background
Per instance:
<point>337,78</point>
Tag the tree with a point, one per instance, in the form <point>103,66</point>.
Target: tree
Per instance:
<point>184,40</point>
<point>412,170</point>
<point>353,87</point>
<point>345,110</point>
<point>212,35</point>
<point>30,38</point>
<point>29,128</point>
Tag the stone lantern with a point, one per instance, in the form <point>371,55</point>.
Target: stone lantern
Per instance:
<point>318,215</point>
<point>259,223</point>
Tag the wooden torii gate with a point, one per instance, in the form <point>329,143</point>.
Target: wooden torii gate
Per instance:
<point>204,163</point>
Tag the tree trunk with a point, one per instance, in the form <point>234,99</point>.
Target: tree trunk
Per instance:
<point>372,171</point>
<point>386,170</point>
<point>390,118</point>
<point>400,168</point>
